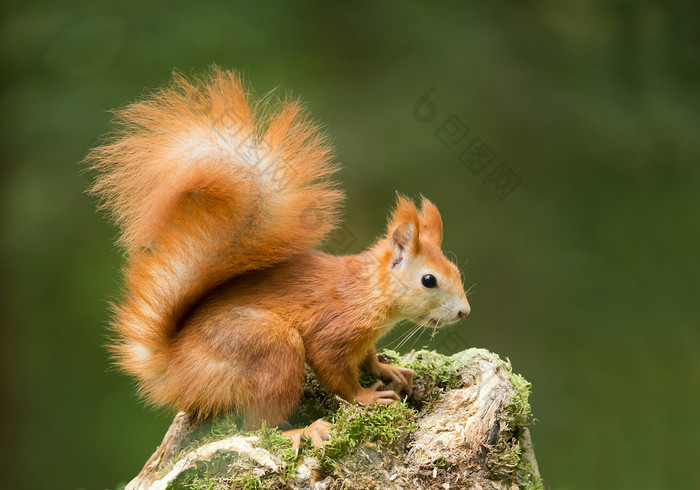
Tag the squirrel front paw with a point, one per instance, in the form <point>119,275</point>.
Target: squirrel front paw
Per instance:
<point>401,378</point>
<point>366,396</point>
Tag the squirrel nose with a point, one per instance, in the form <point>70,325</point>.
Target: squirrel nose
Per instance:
<point>464,311</point>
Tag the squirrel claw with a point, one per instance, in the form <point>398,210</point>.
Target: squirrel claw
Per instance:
<point>319,431</point>
<point>296,441</point>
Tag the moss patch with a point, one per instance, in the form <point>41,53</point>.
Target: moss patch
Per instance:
<point>518,411</point>
<point>506,459</point>
<point>528,478</point>
<point>355,424</point>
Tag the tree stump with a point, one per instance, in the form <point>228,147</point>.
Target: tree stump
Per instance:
<point>465,426</point>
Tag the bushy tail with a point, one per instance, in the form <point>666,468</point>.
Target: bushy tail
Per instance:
<point>205,186</point>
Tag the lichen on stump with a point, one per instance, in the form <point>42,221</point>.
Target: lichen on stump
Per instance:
<point>465,426</point>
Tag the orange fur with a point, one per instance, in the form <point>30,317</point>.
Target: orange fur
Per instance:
<point>220,204</point>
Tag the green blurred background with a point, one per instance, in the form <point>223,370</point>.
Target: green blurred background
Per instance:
<point>586,273</point>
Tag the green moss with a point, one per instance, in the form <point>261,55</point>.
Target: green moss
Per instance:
<point>505,456</point>
<point>516,415</point>
<point>198,479</point>
<point>366,379</point>
<point>528,478</point>
<point>433,369</point>
<point>355,424</point>
<point>193,480</point>
<point>317,402</point>
<point>210,430</point>
<point>273,440</point>
<point>246,481</point>
<point>518,411</point>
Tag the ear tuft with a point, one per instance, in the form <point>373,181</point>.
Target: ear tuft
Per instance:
<point>431,222</point>
<point>404,226</point>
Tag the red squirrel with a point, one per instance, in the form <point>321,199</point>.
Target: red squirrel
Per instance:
<point>220,202</point>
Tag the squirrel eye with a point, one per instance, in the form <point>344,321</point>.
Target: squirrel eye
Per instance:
<point>429,281</point>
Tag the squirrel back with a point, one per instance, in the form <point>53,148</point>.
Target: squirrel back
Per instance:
<point>205,186</point>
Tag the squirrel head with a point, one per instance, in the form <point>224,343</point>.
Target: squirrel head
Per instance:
<point>427,287</point>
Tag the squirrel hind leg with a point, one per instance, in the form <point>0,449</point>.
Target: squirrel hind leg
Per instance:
<point>276,384</point>
<point>237,359</point>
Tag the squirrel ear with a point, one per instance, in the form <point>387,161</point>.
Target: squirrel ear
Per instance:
<point>404,237</point>
<point>431,221</point>
<point>404,227</point>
